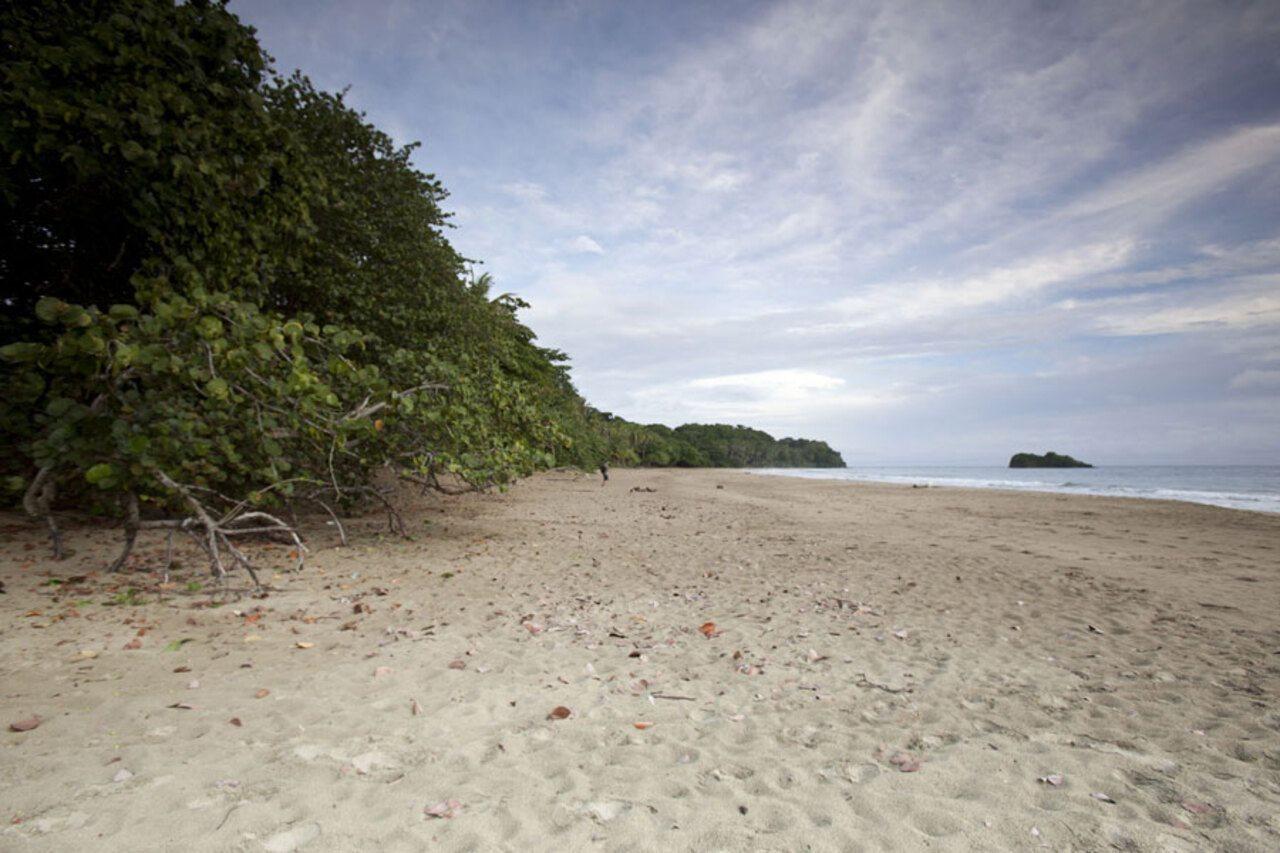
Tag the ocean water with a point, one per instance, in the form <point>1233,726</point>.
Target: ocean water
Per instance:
<point>1235,486</point>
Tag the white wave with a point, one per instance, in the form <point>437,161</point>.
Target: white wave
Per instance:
<point>1256,501</point>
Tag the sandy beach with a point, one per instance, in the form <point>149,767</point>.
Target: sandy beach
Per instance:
<point>739,662</point>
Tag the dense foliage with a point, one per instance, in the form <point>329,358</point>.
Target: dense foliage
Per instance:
<point>218,281</point>
<point>233,278</point>
<point>712,446</point>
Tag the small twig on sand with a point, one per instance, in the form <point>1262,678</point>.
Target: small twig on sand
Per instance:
<point>342,533</point>
<point>863,681</point>
<point>227,816</point>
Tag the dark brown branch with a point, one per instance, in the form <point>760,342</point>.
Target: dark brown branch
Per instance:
<point>132,524</point>
<point>38,502</point>
<point>431,482</point>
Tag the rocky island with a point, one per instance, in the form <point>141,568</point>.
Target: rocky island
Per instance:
<point>1049,460</point>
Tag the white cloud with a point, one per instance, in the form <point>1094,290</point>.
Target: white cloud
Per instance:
<point>773,399</point>
<point>1240,311</point>
<point>1268,380</point>
<point>582,244</point>
<point>910,301</point>
<point>1153,193</point>
<point>527,190</point>
<point>772,381</point>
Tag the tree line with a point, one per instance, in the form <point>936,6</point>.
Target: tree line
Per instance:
<point>711,446</point>
<point>226,293</point>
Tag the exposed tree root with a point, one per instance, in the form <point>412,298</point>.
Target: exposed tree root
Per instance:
<point>337,522</point>
<point>38,502</point>
<point>395,522</point>
<point>132,523</point>
<point>212,534</point>
<point>432,483</point>
<point>214,531</point>
<point>39,497</point>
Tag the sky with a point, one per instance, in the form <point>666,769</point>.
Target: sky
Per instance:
<point>928,233</point>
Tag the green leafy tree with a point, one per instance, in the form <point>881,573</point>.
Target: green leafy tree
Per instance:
<point>219,282</point>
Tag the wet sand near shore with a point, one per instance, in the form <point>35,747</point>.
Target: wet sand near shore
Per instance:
<point>700,660</point>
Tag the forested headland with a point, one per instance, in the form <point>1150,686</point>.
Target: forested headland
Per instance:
<point>226,294</point>
<point>711,446</point>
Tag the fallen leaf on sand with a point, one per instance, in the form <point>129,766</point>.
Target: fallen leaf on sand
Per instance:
<point>708,629</point>
<point>642,726</point>
<point>235,721</point>
<point>457,664</point>
<point>414,707</point>
<point>1054,779</point>
<point>182,669</point>
<point>559,712</point>
<point>444,809</point>
<point>181,706</point>
<point>133,645</point>
<point>1097,795</point>
<point>262,694</point>
<point>814,657</point>
<point>87,654</point>
<point>1095,630</point>
<point>302,645</point>
<point>532,627</point>
<point>25,725</point>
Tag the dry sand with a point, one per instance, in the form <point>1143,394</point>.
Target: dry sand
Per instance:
<point>890,668</point>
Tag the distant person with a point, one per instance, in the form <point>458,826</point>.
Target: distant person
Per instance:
<point>604,472</point>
